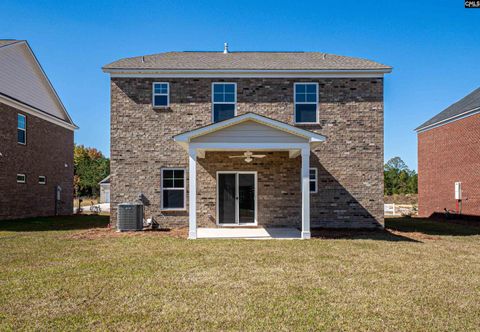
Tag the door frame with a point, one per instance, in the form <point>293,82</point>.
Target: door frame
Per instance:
<point>255,223</point>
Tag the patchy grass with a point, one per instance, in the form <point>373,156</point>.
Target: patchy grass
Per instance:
<point>73,273</point>
<point>86,201</point>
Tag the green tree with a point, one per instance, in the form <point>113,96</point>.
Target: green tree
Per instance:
<point>398,178</point>
<point>90,167</point>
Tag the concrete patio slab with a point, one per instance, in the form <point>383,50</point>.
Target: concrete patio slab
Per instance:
<point>249,233</point>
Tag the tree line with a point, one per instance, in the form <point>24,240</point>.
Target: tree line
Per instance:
<point>398,178</point>
<point>90,167</point>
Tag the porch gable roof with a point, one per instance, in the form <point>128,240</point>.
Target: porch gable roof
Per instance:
<point>185,138</point>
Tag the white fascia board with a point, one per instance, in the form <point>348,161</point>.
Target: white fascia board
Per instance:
<point>210,73</point>
<point>310,136</point>
<point>39,114</point>
<point>449,120</point>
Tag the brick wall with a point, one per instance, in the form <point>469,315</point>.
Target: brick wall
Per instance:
<point>350,163</point>
<point>48,148</point>
<point>448,154</point>
<point>279,188</point>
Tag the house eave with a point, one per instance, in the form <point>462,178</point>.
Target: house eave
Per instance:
<point>448,120</point>
<point>238,73</point>
<point>7,100</point>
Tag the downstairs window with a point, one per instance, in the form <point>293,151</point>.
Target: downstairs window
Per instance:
<point>173,189</point>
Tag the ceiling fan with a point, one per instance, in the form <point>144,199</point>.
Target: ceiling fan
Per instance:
<point>248,155</point>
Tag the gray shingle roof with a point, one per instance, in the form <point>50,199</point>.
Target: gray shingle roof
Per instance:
<point>245,61</point>
<point>106,180</point>
<point>5,42</point>
<point>467,103</point>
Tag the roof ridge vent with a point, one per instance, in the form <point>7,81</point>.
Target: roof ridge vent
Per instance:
<point>225,48</point>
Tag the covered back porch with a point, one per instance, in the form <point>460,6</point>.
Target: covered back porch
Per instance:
<point>236,153</point>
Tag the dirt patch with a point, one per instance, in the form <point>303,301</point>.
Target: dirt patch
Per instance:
<point>415,235</point>
<point>98,233</point>
<point>331,233</point>
<point>380,234</point>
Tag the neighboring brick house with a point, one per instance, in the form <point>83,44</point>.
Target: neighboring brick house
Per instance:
<point>249,139</point>
<point>36,139</point>
<point>449,153</point>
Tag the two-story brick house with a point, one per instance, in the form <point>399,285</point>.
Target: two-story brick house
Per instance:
<point>449,160</point>
<point>36,139</point>
<point>217,139</point>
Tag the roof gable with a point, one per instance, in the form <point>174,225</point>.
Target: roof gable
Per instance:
<point>468,105</point>
<point>24,81</point>
<point>238,121</point>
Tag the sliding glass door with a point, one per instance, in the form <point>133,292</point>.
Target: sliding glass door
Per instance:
<point>236,198</point>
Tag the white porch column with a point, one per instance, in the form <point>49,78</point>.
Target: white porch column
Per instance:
<point>192,203</point>
<point>305,174</point>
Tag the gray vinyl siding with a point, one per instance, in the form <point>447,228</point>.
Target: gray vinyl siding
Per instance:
<point>22,79</point>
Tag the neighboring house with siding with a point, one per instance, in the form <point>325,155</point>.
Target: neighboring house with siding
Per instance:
<point>105,190</point>
<point>449,153</point>
<point>36,139</point>
<point>261,139</point>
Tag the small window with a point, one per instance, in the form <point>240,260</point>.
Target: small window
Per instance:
<point>313,180</point>
<point>161,96</point>
<point>21,129</point>
<point>306,102</point>
<point>42,179</point>
<point>224,100</point>
<point>173,189</point>
<point>21,178</point>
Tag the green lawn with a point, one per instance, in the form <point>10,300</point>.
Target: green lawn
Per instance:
<point>60,273</point>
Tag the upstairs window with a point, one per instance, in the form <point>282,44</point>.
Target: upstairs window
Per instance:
<point>173,189</point>
<point>21,129</point>
<point>224,100</point>
<point>306,102</point>
<point>161,93</point>
<point>21,178</point>
<point>42,179</point>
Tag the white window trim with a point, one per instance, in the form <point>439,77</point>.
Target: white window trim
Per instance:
<point>224,102</point>
<point>24,178</point>
<point>24,130</point>
<point>317,120</point>
<point>184,188</point>
<point>160,94</point>
<point>44,179</point>
<point>316,179</point>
